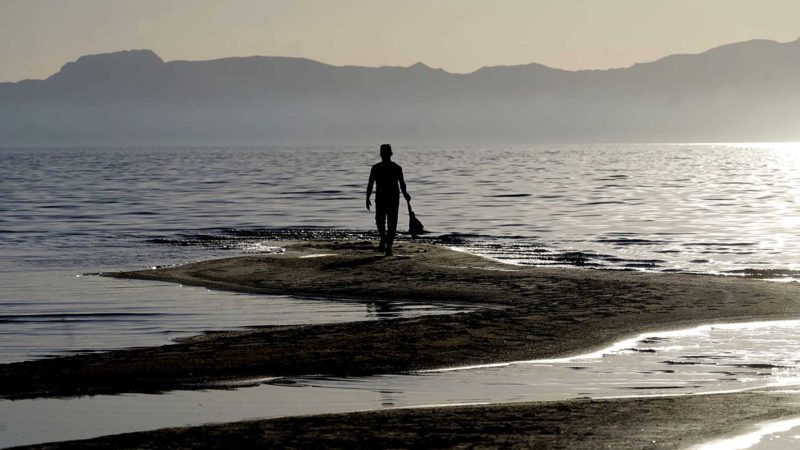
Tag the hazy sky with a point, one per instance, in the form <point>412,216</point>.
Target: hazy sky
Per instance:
<point>38,36</point>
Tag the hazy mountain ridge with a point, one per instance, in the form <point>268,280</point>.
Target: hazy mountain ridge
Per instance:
<point>742,91</point>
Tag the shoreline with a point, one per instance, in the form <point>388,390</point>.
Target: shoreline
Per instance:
<point>534,313</point>
<point>176,417</point>
<point>531,313</point>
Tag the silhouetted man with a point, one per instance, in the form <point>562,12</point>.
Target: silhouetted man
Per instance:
<point>387,176</point>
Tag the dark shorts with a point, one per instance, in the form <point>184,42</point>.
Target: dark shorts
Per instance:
<point>386,216</point>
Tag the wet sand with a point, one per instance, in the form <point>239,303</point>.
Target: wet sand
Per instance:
<point>531,313</point>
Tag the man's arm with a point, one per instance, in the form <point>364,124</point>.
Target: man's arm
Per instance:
<point>369,187</point>
<point>403,185</point>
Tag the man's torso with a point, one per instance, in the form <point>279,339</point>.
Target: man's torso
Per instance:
<point>386,175</point>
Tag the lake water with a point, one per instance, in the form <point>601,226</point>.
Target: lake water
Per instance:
<point>729,209</point>
<point>722,208</point>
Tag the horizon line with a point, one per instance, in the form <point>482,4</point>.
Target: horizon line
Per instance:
<point>755,144</point>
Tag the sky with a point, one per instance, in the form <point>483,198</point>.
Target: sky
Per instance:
<point>38,36</point>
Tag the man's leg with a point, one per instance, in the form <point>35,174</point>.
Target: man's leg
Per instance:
<point>392,218</point>
<point>380,221</point>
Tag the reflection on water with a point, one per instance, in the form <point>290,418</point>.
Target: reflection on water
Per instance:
<point>88,313</point>
<point>701,360</point>
<point>779,435</point>
<point>709,208</point>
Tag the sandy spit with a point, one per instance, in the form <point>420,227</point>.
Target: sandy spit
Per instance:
<point>537,313</point>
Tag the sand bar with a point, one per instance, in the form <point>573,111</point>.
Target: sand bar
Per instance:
<point>531,313</point>
<point>535,313</point>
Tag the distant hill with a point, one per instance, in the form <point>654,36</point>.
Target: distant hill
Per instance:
<point>748,91</point>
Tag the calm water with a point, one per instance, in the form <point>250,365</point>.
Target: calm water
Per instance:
<point>67,211</point>
<point>711,208</point>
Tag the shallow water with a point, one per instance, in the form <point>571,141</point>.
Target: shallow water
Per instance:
<point>776,435</point>
<point>73,314</point>
<point>700,360</point>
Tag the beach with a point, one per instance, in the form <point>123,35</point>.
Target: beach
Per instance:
<point>529,313</point>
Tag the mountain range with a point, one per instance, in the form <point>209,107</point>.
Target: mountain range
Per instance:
<point>747,91</point>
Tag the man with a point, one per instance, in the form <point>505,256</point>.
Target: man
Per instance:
<point>386,175</point>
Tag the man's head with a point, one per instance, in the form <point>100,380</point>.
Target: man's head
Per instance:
<point>386,152</point>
